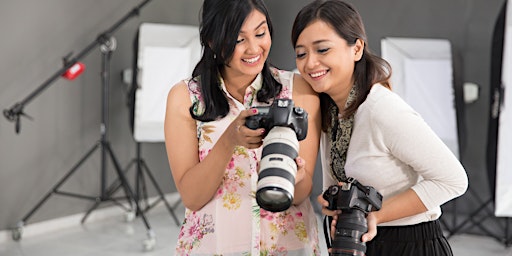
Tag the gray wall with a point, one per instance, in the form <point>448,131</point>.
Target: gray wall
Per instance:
<point>37,34</point>
<point>67,114</point>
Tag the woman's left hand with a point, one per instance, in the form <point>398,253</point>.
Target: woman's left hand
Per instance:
<point>301,169</point>
<point>371,222</point>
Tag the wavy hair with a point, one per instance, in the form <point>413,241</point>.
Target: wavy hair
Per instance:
<point>348,24</point>
<point>221,21</point>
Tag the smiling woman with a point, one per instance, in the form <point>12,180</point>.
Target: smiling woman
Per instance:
<point>214,157</point>
<point>369,132</point>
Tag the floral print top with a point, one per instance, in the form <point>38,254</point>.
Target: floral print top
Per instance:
<point>232,223</point>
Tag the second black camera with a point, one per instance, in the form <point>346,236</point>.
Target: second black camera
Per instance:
<point>355,201</point>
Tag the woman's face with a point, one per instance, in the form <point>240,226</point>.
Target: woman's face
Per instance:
<point>252,47</point>
<point>325,59</point>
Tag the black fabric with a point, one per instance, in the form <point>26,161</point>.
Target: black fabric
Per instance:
<point>424,239</point>
<point>496,94</point>
<point>130,97</point>
<point>460,105</point>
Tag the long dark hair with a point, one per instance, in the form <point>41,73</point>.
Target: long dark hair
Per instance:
<point>221,22</point>
<point>348,24</point>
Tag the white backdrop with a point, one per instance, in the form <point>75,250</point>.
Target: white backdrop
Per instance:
<point>166,54</point>
<point>503,203</point>
<point>423,77</point>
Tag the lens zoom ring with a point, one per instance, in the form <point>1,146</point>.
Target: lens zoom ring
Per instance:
<point>277,172</point>
<point>280,148</point>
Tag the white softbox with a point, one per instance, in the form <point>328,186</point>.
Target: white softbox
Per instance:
<point>503,193</point>
<point>423,77</point>
<point>166,54</point>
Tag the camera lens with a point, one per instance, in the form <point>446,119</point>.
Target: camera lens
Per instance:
<point>350,227</point>
<point>274,195</point>
<point>276,180</point>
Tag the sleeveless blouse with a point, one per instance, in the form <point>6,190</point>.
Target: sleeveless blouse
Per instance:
<point>232,223</point>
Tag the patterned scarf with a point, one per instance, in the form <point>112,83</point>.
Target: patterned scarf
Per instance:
<point>340,131</point>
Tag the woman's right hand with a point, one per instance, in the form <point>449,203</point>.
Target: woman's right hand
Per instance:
<point>333,213</point>
<point>325,204</point>
<point>326,211</point>
<point>371,219</point>
<point>242,135</point>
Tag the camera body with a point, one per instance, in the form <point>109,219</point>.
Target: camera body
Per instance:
<point>282,113</point>
<point>355,201</point>
<point>284,125</point>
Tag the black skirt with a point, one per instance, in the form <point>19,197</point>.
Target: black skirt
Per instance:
<point>424,239</point>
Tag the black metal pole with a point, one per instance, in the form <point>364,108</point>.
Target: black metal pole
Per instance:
<point>106,53</point>
<point>13,114</point>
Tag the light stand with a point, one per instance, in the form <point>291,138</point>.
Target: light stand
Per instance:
<point>484,211</point>
<point>141,194</point>
<point>477,217</point>
<point>107,46</point>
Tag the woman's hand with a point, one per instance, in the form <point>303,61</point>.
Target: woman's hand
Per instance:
<point>371,221</point>
<point>325,211</point>
<point>242,135</point>
<point>301,169</point>
<point>325,204</point>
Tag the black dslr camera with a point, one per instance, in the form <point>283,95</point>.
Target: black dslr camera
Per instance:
<point>285,125</point>
<point>355,201</point>
<point>281,113</point>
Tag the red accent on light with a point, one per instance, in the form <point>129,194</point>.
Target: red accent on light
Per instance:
<point>74,71</point>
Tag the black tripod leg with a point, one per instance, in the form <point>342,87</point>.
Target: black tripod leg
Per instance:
<point>92,208</point>
<point>60,182</point>
<point>150,242</point>
<point>470,218</point>
<point>162,197</point>
<point>117,183</point>
<point>508,239</point>
<point>110,192</point>
<point>141,191</point>
<point>18,230</point>
<point>126,186</point>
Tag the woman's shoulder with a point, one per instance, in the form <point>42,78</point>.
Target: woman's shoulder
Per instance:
<point>383,105</point>
<point>179,93</point>
<point>179,89</point>
<point>384,99</point>
<point>284,77</point>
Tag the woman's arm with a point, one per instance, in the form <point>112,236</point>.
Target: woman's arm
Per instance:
<point>306,98</point>
<point>197,182</point>
<point>411,141</point>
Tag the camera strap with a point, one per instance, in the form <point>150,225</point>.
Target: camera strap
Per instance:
<point>327,226</point>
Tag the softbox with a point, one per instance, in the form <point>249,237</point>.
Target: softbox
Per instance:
<point>423,75</point>
<point>164,55</point>
<point>499,146</point>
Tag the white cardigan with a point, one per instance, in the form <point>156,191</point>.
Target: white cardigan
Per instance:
<point>392,149</point>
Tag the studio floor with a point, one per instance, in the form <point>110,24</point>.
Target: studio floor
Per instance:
<point>114,236</point>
